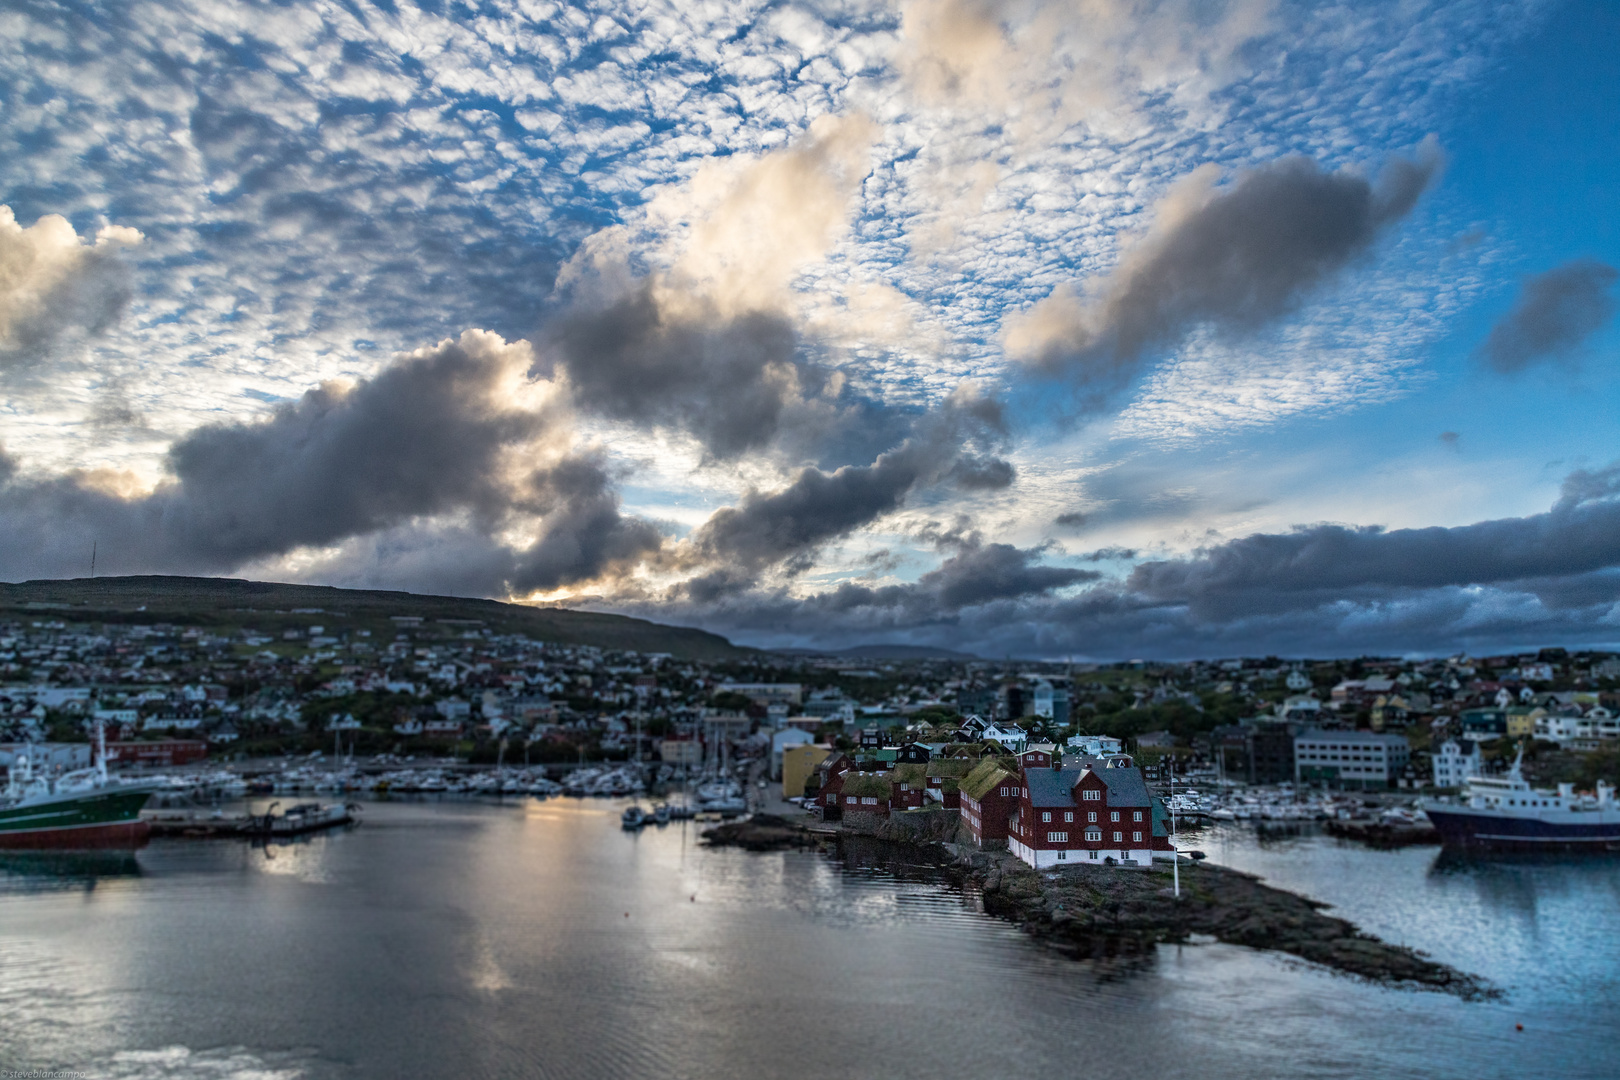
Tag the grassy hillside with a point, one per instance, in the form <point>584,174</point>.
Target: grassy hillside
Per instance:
<point>271,606</point>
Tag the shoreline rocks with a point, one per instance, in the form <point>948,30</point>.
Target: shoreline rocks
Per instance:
<point>1088,911</point>
<point>1093,912</point>
<point>762,832</point>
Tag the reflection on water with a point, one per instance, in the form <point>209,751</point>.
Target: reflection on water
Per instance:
<point>48,871</point>
<point>538,939</point>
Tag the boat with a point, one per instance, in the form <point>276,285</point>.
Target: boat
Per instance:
<point>84,808</point>
<point>302,818</point>
<point>634,817</point>
<point>660,814</point>
<point>1504,813</point>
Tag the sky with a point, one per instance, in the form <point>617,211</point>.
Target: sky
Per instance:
<point>1088,329</point>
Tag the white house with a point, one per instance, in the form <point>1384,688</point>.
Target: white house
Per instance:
<point>1301,708</point>
<point>1096,746</point>
<point>1297,681</point>
<point>1453,765</point>
<point>1579,732</point>
<point>453,708</point>
<point>1010,737</point>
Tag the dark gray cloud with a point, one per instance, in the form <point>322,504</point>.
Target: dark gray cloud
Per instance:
<point>976,576</point>
<point>1546,578</point>
<point>737,384</point>
<point>429,435</point>
<point>1243,257</point>
<point>789,524</point>
<point>1315,565</point>
<point>1555,314</point>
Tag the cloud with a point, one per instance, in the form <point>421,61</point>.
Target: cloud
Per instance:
<point>791,523</point>
<point>1269,572</point>
<point>708,340</point>
<point>1556,312</point>
<point>56,288</point>
<point>1234,259</point>
<point>457,429</point>
<point>977,576</point>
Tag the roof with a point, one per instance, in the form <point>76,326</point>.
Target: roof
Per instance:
<point>909,774</point>
<point>957,767</point>
<point>984,778</point>
<point>866,784</point>
<point>1055,787</point>
<point>1365,737</point>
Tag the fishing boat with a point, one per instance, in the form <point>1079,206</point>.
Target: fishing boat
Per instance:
<point>302,818</point>
<point>1505,813</point>
<point>634,817</point>
<point>84,808</point>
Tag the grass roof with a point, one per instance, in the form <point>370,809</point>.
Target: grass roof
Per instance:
<point>909,774</point>
<point>983,779</point>
<point>866,785</point>
<point>957,767</point>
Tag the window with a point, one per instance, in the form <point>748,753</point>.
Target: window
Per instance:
<point>1092,816</point>
<point>1094,835</point>
<point>1091,795</point>
<point>1094,854</point>
<point>849,800</point>
<point>1118,837</point>
<point>1113,816</point>
<point>869,801</point>
<point>1004,791</point>
<point>1136,815</point>
<point>1046,815</point>
<point>1068,815</point>
<point>1136,838</point>
<point>1063,854</point>
<point>1057,838</point>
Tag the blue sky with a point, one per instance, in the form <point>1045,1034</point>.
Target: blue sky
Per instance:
<point>1104,329</point>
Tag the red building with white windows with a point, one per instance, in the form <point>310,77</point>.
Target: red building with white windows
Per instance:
<point>1096,812</point>
<point>988,797</point>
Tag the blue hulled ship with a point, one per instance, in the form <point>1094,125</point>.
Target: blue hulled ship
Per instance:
<point>1505,813</point>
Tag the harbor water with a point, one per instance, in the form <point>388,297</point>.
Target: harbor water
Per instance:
<point>472,939</point>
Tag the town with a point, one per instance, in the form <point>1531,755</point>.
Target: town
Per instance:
<point>911,732</point>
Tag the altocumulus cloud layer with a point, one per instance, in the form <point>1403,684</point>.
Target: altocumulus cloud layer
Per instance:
<point>734,313</point>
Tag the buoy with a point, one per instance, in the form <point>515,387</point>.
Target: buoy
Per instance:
<point>627,914</point>
<point>1518,1027</point>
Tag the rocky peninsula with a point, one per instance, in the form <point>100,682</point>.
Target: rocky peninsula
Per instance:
<point>1086,911</point>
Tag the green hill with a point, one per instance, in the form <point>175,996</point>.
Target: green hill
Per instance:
<point>271,606</point>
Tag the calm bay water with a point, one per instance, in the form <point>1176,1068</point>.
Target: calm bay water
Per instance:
<point>538,940</point>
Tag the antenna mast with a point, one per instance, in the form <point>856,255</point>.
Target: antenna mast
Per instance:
<point>92,560</point>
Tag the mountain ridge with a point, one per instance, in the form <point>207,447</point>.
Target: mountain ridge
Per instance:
<point>202,600</point>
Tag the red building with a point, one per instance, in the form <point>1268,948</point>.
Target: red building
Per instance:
<point>988,799</point>
<point>831,774</point>
<point>864,793</point>
<point>945,780</point>
<point>165,752</point>
<point>910,786</point>
<point>1097,812</point>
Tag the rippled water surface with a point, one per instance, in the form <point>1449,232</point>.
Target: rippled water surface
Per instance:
<point>538,940</point>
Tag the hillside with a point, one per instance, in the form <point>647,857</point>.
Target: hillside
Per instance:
<point>272,606</point>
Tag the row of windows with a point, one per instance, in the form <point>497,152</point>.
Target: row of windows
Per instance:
<point>1068,815</point>
<point>1093,836</point>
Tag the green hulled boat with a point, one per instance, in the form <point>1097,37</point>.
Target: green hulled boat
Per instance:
<point>81,809</point>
